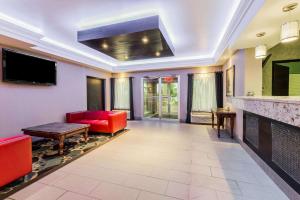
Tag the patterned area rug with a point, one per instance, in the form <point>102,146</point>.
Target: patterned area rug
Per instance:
<point>45,158</point>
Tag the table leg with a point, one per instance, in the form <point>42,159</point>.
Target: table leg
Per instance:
<point>218,125</point>
<point>61,145</point>
<point>231,126</point>
<point>213,120</point>
<point>86,135</point>
<point>223,121</point>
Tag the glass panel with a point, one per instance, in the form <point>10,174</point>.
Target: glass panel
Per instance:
<point>169,97</point>
<point>151,98</point>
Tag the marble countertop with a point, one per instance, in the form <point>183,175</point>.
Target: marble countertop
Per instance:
<point>283,99</point>
<point>284,109</point>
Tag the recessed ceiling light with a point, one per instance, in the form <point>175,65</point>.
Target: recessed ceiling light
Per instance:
<point>145,40</point>
<point>104,45</point>
<point>157,53</point>
<point>260,34</point>
<point>289,7</point>
<point>126,57</point>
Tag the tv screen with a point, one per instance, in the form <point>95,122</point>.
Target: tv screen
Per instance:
<point>21,68</point>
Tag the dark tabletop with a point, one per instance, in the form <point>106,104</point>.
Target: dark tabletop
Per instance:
<point>223,111</point>
<point>56,127</point>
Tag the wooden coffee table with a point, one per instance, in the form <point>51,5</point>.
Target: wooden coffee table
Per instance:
<point>58,131</point>
<point>221,114</point>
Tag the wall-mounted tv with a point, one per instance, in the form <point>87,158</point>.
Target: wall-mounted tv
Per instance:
<point>22,68</point>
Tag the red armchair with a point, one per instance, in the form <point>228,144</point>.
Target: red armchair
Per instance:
<point>100,121</point>
<point>15,158</point>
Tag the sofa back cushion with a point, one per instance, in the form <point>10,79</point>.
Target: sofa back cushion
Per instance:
<point>104,115</point>
<point>10,138</point>
<point>74,116</point>
<point>97,115</point>
<point>92,115</point>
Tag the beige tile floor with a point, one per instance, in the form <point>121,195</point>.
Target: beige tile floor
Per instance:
<point>159,161</point>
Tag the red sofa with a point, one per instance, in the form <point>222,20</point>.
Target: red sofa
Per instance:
<point>15,158</point>
<point>100,121</point>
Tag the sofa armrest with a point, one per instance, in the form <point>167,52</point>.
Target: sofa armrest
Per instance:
<point>15,158</point>
<point>117,121</point>
<point>74,116</point>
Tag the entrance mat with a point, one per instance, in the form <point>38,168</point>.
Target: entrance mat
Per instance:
<point>45,158</point>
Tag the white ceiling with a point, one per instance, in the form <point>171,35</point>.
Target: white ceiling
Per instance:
<point>199,30</point>
<point>269,20</point>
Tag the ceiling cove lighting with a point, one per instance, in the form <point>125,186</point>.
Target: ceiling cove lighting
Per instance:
<point>117,19</point>
<point>232,12</point>
<point>163,60</point>
<point>290,29</point>
<point>20,23</point>
<point>209,56</point>
<point>261,51</point>
<point>74,50</point>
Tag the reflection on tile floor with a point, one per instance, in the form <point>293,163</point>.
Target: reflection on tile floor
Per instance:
<point>159,161</point>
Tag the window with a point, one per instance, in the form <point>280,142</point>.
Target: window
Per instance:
<point>122,94</point>
<point>204,92</point>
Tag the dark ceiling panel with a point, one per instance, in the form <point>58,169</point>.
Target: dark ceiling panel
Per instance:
<point>133,40</point>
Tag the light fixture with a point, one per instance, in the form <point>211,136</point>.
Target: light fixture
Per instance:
<point>145,40</point>
<point>260,34</point>
<point>260,51</point>
<point>157,53</point>
<point>104,45</point>
<point>126,57</point>
<point>290,29</point>
<point>289,7</point>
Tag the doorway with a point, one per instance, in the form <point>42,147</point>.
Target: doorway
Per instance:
<point>95,93</point>
<point>286,78</point>
<point>161,97</point>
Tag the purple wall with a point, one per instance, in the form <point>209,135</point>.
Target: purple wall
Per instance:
<point>28,105</point>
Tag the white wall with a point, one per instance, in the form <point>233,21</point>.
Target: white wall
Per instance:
<point>253,73</point>
<point>248,77</point>
<point>23,106</point>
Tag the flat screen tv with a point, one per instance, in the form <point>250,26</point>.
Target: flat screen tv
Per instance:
<point>22,68</point>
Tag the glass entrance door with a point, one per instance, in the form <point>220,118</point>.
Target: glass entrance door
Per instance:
<point>169,98</point>
<point>151,97</point>
<point>161,97</point>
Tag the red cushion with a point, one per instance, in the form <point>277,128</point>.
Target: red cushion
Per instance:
<point>100,126</point>
<point>92,115</point>
<point>104,115</point>
<point>86,121</point>
<point>10,138</point>
<point>15,158</point>
<point>100,121</point>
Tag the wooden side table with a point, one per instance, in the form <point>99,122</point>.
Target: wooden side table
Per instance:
<point>222,114</point>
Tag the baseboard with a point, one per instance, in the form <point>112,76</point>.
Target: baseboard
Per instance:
<point>137,118</point>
